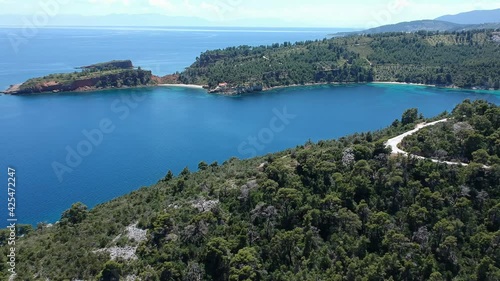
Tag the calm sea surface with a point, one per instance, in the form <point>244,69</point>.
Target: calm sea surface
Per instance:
<point>94,147</point>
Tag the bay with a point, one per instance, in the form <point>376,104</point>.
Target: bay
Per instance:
<point>145,132</point>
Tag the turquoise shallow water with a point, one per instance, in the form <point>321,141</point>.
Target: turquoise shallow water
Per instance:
<point>105,144</point>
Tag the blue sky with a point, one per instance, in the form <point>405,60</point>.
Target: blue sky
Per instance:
<point>332,13</point>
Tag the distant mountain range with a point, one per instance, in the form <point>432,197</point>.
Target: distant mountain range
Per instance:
<point>423,25</point>
<point>462,22</point>
<point>487,19</point>
<point>147,20</point>
<point>473,17</point>
<point>412,26</point>
<point>109,20</point>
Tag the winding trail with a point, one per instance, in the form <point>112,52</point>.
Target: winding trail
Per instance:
<point>394,142</point>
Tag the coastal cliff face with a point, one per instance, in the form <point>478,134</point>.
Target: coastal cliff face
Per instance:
<point>115,79</point>
<point>236,90</point>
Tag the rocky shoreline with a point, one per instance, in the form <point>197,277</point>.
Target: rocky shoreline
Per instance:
<point>109,75</point>
<point>127,77</point>
<point>237,90</point>
<point>225,91</point>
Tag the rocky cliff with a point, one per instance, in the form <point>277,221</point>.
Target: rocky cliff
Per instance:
<point>101,76</point>
<point>237,90</point>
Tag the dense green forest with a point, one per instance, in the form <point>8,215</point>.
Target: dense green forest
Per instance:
<point>472,135</point>
<point>98,76</point>
<point>456,59</point>
<point>341,209</point>
<point>105,78</point>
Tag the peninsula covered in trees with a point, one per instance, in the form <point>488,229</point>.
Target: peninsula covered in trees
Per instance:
<point>468,59</point>
<point>113,74</point>
<point>343,209</point>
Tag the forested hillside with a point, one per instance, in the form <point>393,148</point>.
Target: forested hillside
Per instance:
<point>459,59</point>
<point>341,209</point>
<point>472,135</point>
<point>424,25</point>
<point>113,74</point>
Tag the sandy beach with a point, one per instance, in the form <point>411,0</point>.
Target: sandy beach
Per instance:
<point>181,86</point>
<point>345,83</point>
<point>403,83</point>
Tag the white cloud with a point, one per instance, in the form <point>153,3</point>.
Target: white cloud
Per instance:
<point>110,2</point>
<point>165,6</point>
<point>359,13</point>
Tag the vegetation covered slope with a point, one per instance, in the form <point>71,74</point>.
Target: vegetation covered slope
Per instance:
<point>114,74</point>
<point>411,26</point>
<point>473,135</point>
<point>424,25</point>
<point>473,17</point>
<point>459,59</point>
<point>336,210</point>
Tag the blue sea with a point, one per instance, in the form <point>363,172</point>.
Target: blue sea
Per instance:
<point>93,147</point>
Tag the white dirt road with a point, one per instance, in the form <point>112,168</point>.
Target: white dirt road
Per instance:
<point>394,142</point>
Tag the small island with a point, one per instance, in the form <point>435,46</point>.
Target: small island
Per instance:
<point>113,74</point>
